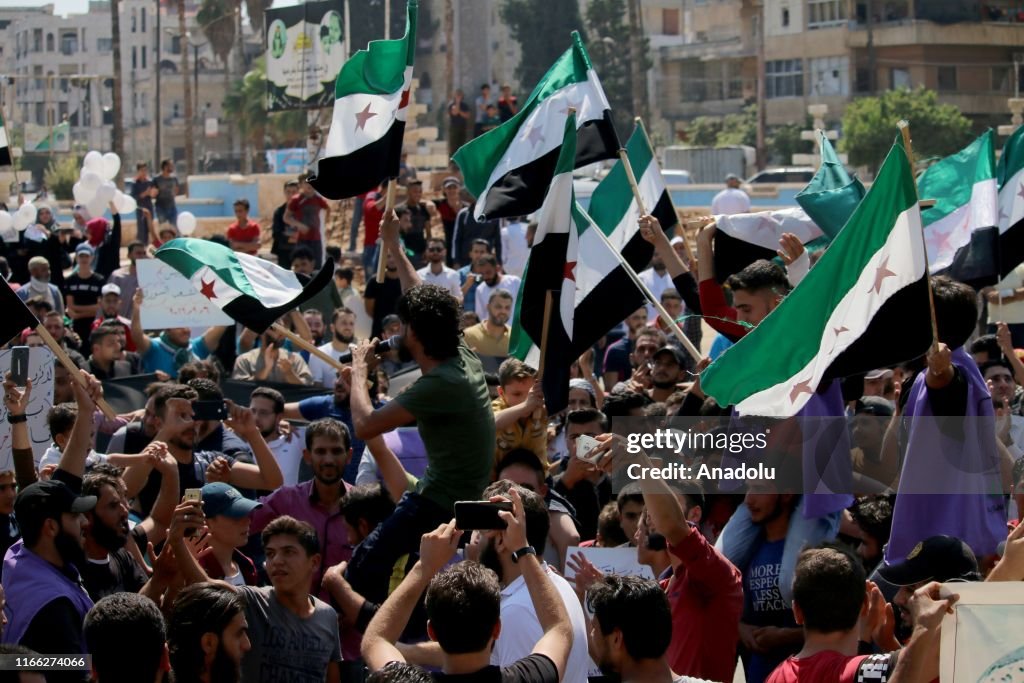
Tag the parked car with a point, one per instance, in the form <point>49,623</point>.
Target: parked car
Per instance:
<point>783,174</point>
<point>675,176</point>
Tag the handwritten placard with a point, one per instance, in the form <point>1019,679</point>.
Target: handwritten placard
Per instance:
<point>40,369</point>
<point>171,300</point>
<point>981,638</point>
<point>620,561</point>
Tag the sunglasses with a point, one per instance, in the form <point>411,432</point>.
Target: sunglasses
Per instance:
<point>435,249</point>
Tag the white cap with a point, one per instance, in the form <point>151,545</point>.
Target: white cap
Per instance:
<point>110,289</point>
<point>676,240</point>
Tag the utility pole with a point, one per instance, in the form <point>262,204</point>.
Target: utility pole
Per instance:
<point>117,132</point>
<point>872,59</point>
<point>157,120</point>
<point>636,57</point>
<point>762,114</point>
<point>190,161</point>
<point>449,52</point>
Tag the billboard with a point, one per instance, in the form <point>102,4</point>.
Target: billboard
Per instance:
<point>38,138</point>
<point>305,51</point>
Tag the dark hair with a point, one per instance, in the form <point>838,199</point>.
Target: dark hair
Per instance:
<point>199,369</point>
<point>995,363</point>
<point>166,162</point>
<point>400,672</point>
<point>620,404</point>
<point>630,493</point>
<point>169,391</point>
<point>432,314</point>
<point>346,273</point>
<point>463,605</point>
<point>94,481</point>
<point>436,240</point>
<point>303,532</point>
<point>139,165</point>
<point>828,584</point>
<point>524,457</point>
<point>538,523</point>
<point>986,343</point>
<point>241,201</point>
<point>61,418</point>
<point>659,337</point>
<point>41,302</point>
<point>329,428</point>
<point>270,394</point>
<point>499,294</point>
<point>693,492</point>
<point>206,389</point>
<point>219,239</point>
<point>369,502</point>
<point>199,609</point>
<point>760,275</point>
<point>481,241</point>
<point>120,619</point>
<point>102,332</point>
<point>873,515</point>
<point>291,183</point>
<point>487,260</point>
<point>609,526</point>
<point>638,608</point>
<point>956,310</point>
<point>133,244</point>
<point>340,311</point>
<point>304,253</point>
<point>512,369</point>
<point>585,416</point>
<point>671,293</point>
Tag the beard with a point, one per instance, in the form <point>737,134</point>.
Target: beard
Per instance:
<point>109,538</point>
<point>328,480</point>
<point>223,668</point>
<point>656,542</point>
<point>404,355</point>
<point>69,548</point>
<point>669,384</point>
<point>344,338</point>
<point>489,558</point>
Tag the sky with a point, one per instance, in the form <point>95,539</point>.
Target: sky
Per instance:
<point>61,6</point>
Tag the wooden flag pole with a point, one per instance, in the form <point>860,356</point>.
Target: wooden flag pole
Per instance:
<point>904,127</point>
<point>669,321</point>
<point>382,256</point>
<point>306,346</point>
<point>72,369</point>
<point>548,305</point>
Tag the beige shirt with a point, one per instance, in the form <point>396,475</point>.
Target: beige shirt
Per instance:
<point>484,344</point>
<point>1011,312</point>
<point>250,363</point>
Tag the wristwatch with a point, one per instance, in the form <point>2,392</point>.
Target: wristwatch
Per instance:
<point>523,552</point>
<point>15,419</point>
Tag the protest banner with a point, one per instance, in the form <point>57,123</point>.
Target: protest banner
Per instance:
<point>40,369</point>
<point>981,638</point>
<point>620,561</point>
<point>172,301</point>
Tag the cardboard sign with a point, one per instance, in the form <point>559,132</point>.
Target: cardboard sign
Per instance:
<point>981,639</point>
<point>40,369</point>
<point>171,300</point>
<point>620,561</point>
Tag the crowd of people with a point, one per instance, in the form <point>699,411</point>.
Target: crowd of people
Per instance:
<point>300,538</point>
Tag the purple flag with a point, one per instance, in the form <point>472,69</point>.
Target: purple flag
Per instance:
<point>950,482</point>
<point>827,468</point>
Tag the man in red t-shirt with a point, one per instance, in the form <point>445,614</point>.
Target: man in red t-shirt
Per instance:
<point>373,212</point>
<point>839,611</point>
<point>244,233</point>
<point>303,214</point>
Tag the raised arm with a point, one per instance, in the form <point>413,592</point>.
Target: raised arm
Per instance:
<point>159,520</point>
<point>389,238</point>
<point>396,479</point>
<point>265,475</point>
<point>72,460</point>
<point>16,401</point>
<point>142,342</point>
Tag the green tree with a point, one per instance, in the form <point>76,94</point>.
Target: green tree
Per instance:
<point>739,129</point>
<point>246,105</point>
<point>217,20</point>
<point>703,131</point>
<point>608,29</point>
<point>869,126</point>
<point>785,141</point>
<point>542,28</point>
<point>61,175</point>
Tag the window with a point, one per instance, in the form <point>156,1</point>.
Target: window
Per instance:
<point>135,58</point>
<point>899,78</point>
<point>143,27</point>
<point>68,43</point>
<point>830,75</point>
<point>49,42</point>
<point>62,111</point>
<point>824,13</point>
<point>83,41</point>
<point>104,44</point>
<point>785,17</point>
<point>947,78</point>
<point>175,45</point>
<point>37,40</point>
<point>143,51</point>
<point>134,19</point>
<point>40,113</point>
<point>784,78</point>
<point>670,22</point>
<point>1001,79</point>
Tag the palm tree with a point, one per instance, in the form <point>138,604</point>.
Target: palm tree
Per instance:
<point>117,134</point>
<point>217,20</point>
<point>256,9</point>
<point>246,104</point>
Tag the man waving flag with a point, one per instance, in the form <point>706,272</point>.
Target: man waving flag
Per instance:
<point>371,102</point>
<point>510,168</point>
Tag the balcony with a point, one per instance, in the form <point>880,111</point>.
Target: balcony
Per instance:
<point>725,48</point>
<point>919,32</point>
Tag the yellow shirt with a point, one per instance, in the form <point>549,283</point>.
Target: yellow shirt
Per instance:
<point>531,434</point>
<point>484,344</point>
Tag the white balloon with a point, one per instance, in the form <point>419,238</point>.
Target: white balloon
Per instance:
<point>91,182</point>
<point>21,221</point>
<point>9,234</point>
<point>27,210</point>
<point>125,203</point>
<point>81,195</point>
<point>186,223</point>
<point>93,162</point>
<point>111,165</point>
<point>106,192</point>
<point>6,220</point>
<point>96,208</point>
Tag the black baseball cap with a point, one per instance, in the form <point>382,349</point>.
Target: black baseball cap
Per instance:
<point>939,558</point>
<point>874,405</point>
<point>49,500</point>
<point>674,350</point>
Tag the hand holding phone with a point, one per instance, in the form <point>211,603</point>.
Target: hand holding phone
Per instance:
<point>210,410</point>
<point>19,365</point>
<point>584,445</point>
<point>471,515</point>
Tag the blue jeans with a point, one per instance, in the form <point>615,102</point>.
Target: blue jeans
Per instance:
<point>369,570</point>
<point>369,259</point>
<point>738,541</point>
<point>167,214</point>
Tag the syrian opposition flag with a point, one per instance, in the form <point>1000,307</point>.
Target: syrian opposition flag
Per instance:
<point>832,195</point>
<point>254,292</point>
<point>371,101</point>
<point>1010,175</point>
<point>870,281</point>
<point>5,147</point>
<point>742,238</point>
<point>510,168</point>
<point>961,230</point>
<point>17,315</point>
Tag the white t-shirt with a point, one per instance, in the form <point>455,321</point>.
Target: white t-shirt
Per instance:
<point>514,249</point>
<point>510,283</point>
<point>729,201</point>
<point>446,279</point>
<point>657,284</point>
<point>1011,312</point>
<point>288,454</point>
<point>324,374</point>
<point>520,629</point>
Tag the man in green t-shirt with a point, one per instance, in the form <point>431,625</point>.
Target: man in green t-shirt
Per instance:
<point>451,407</point>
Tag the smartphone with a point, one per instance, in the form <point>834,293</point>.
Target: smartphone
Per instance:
<point>192,495</point>
<point>480,514</point>
<point>19,365</point>
<point>584,445</point>
<point>209,410</point>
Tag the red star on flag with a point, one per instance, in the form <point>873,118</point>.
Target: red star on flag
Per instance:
<point>207,289</point>
<point>404,102</point>
<point>801,388</point>
<point>364,116</point>
<point>881,273</point>
<point>568,273</point>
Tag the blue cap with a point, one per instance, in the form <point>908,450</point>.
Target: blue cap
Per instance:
<point>84,248</point>
<point>223,499</point>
